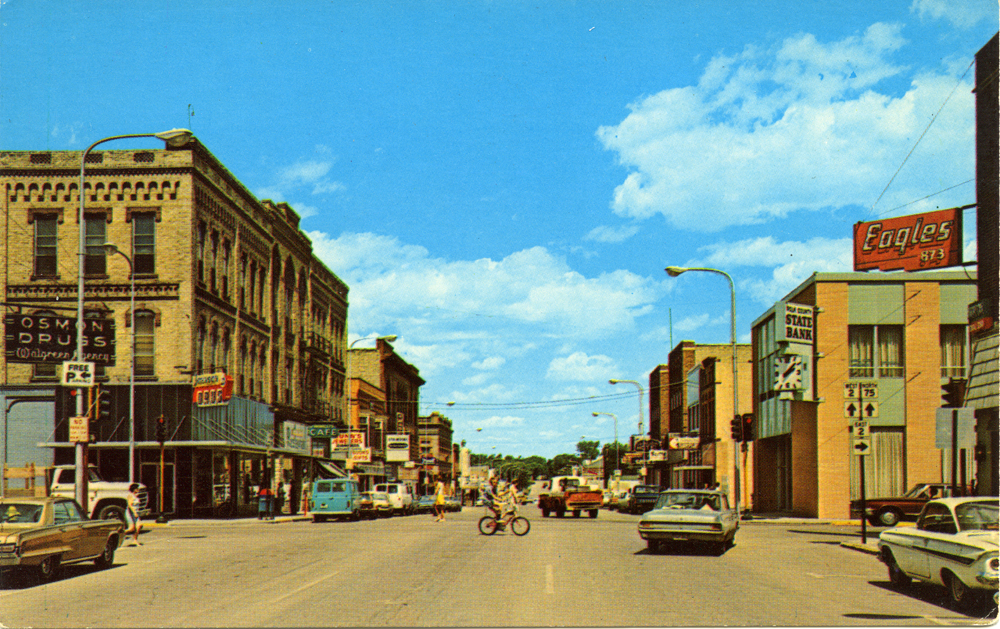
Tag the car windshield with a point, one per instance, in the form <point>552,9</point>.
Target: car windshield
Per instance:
<point>20,513</point>
<point>923,491</point>
<point>680,500</point>
<point>977,516</point>
<point>380,496</point>
<point>646,489</point>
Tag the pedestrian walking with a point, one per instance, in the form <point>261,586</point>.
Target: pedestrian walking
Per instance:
<point>264,497</point>
<point>439,501</point>
<point>132,514</point>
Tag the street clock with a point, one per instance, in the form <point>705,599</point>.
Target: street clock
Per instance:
<point>788,373</point>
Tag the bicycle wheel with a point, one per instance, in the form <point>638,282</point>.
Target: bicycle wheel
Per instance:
<point>520,526</point>
<point>487,525</point>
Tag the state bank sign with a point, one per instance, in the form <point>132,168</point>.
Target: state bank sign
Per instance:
<point>917,242</point>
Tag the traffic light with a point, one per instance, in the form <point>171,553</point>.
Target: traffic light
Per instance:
<point>748,427</point>
<point>103,404</point>
<point>736,424</point>
<point>954,393</point>
<point>161,429</point>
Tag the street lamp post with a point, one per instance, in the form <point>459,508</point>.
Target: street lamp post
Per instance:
<point>174,137</point>
<point>614,417</point>
<point>674,271</point>
<point>642,429</point>
<point>390,338</point>
<point>112,249</point>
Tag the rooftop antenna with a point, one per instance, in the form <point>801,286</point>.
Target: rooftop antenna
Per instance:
<point>190,113</point>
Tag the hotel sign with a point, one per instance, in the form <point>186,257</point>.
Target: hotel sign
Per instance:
<point>917,242</point>
<point>51,340</point>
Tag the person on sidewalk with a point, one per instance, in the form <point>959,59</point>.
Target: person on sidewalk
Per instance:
<point>264,503</point>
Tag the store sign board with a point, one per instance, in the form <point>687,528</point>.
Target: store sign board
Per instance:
<point>797,325</point>
<point>51,340</point>
<point>212,389</point>
<point>295,436</point>
<point>917,242</point>
<point>397,448</point>
<point>79,429</point>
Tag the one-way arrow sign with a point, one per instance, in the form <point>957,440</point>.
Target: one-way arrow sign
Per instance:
<point>862,446</point>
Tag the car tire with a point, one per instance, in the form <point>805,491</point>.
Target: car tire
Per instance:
<point>593,513</point>
<point>897,577</point>
<point>654,545</point>
<point>560,513</point>
<point>576,513</point>
<point>112,512</point>
<point>107,558</point>
<point>48,570</point>
<point>545,513</point>
<point>958,593</point>
<point>888,517</point>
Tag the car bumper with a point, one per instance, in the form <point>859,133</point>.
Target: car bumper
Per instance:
<point>682,534</point>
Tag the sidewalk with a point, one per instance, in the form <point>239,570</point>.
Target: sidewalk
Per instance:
<point>281,519</point>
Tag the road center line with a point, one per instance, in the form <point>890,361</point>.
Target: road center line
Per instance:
<point>549,580</point>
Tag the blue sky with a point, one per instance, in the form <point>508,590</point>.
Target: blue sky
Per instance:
<point>502,183</point>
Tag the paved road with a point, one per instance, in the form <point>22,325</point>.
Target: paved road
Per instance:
<point>412,571</point>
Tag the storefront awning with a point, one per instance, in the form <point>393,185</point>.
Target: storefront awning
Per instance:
<point>329,470</point>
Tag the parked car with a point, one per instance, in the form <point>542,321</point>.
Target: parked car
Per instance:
<point>686,516</point>
<point>452,503</point>
<point>888,511</point>
<point>618,499</point>
<point>400,496</point>
<point>374,505</point>
<point>44,534</point>
<point>424,504</point>
<point>337,497</point>
<point>954,544</point>
<point>641,499</point>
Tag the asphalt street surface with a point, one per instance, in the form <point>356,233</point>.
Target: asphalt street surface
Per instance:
<point>413,571</point>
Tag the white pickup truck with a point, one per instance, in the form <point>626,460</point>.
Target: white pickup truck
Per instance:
<point>106,500</point>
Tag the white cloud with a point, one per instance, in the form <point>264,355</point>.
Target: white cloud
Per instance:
<point>490,363</point>
<point>961,13</point>
<point>580,367</point>
<point>603,233</point>
<point>394,284</point>
<point>506,421</point>
<point>792,262</point>
<point>798,126</point>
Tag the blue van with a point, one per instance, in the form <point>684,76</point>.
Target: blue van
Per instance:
<point>335,497</point>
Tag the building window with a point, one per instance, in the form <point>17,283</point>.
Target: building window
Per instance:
<point>876,349</point>
<point>95,261</point>
<point>243,282</point>
<point>214,349</point>
<point>213,262</point>
<point>145,346</point>
<point>225,270</point>
<point>45,246</point>
<point>202,230</point>
<point>953,353</point>
<point>202,333</point>
<point>144,243</point>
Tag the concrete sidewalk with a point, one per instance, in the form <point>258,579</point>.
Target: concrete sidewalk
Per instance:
<point>282,519</point>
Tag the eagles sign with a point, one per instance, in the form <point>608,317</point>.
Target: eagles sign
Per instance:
<point>917,242</point>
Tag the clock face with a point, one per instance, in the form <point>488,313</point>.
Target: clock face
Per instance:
<point>788,373</point>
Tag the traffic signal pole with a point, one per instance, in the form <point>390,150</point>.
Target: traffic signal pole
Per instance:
<point>861,465</point>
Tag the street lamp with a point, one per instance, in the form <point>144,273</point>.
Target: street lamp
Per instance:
<point>390,338</point>
<point>642,430</point>
<point>112,249</point>
<point>674,271</point>
<point>614,417</point>
<point>173,137</point>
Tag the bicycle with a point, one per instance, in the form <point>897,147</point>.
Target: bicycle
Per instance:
<point>519,525</point>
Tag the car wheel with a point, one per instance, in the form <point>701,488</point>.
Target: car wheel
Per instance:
<point>576,513</point>
<point>896,575</point>
<point>48,569</point>
<point>112,512</point>
<point>653,545</point>
<point>888,517</point>
<point>957,591</point>
<point>720,547</point>
<point>107,558</point>
<point>545,513</point>
<point>561,513</point>
<point>593,513</point>
<point>319,518</point>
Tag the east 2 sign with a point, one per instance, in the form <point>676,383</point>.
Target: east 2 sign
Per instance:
<point>917,242</point>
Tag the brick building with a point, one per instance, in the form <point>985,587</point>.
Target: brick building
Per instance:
<point>224,284</point>
<point>898,336</point>
<point>436,451</point>
<point>692,396</point>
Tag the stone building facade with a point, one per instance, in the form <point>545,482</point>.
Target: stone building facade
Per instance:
<point>224,284</point>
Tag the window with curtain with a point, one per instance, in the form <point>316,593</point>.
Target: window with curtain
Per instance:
<point>46,248</point>
<point>883,467</point>
<point>890,351</point>
<point>95,261</point>
<point>953,351</point>
<point>145,345</point>
<point>860,339</point>
<point>144,243</point>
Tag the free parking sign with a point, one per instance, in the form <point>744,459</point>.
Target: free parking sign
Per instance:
<point>77,374</point>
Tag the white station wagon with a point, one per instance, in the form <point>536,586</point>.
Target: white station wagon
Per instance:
<point>954,545</point>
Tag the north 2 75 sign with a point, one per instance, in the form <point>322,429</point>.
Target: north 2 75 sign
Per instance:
<point>912,243</point>
<point>51,340</point>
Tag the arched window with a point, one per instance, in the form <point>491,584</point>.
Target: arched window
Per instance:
<point>260,367</point>
<point>225,350</point>
<point>213,349</point>
<point>201,347</point>
<point>241,370</point>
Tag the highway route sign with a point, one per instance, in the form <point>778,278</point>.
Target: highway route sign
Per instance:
<point>854,409</point>
<point>862,446</point>
<point>869,390</point>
